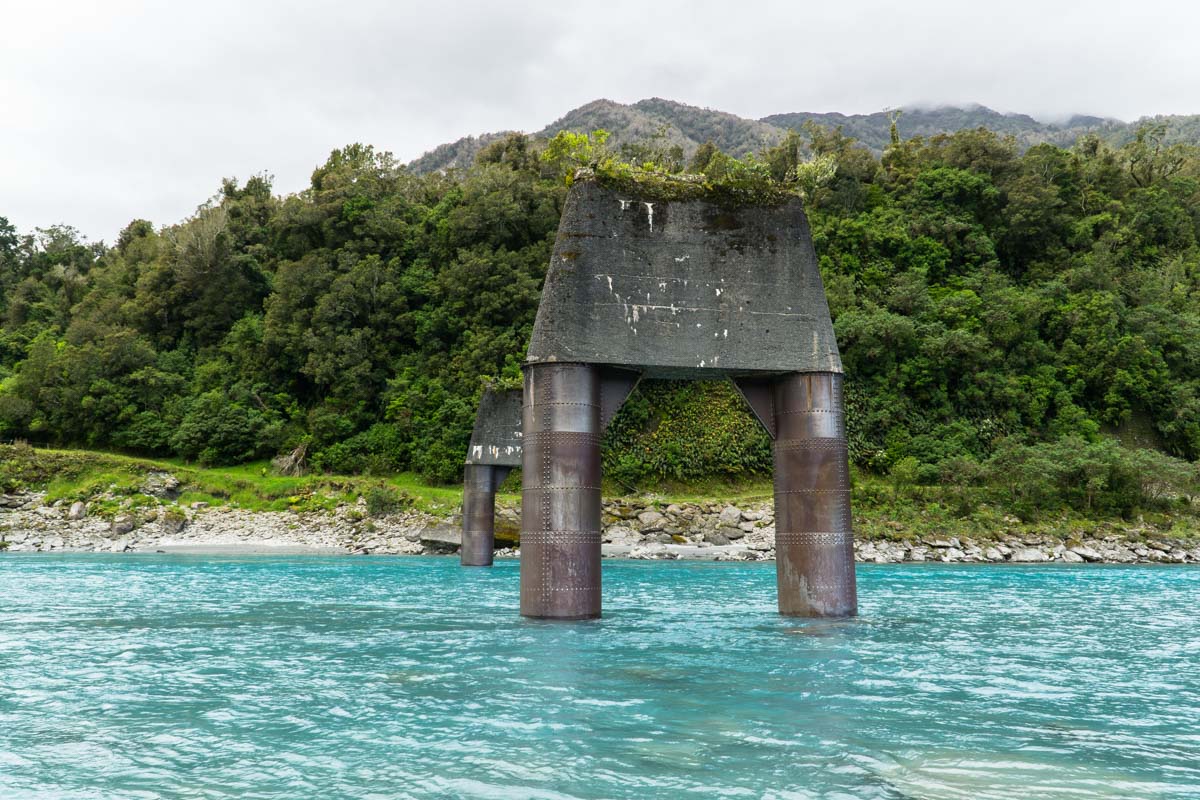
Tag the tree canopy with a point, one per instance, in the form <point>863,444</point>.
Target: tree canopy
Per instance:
<point>987,302</point>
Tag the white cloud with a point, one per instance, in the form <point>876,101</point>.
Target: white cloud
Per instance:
<point>126,109</point>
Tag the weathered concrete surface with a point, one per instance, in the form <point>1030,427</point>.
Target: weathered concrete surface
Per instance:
<point>445,537</point>
<point>496,437</point>
<point>683,289</point>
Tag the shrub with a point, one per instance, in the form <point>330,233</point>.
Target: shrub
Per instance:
<point>380,450</point>
<point>217,431</point>
<point>383,500</point>
<point>682,430</point>
<point>1098,476</point>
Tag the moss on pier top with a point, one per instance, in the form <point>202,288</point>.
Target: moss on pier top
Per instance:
<point>721,179</point>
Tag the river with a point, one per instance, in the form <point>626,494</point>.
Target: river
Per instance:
<point>157,676</point>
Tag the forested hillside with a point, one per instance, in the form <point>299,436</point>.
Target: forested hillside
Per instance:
<point>998,311</point>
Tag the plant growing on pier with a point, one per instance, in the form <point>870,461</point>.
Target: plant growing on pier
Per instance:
<point>722,178</point>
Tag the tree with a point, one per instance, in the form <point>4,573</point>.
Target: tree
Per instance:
<point>1149,159</point>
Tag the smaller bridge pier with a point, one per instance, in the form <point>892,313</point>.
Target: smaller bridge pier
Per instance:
<point>494,451</point>
<point>479,513</point>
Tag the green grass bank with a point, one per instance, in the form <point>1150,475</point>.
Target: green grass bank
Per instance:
<point>885,508</point>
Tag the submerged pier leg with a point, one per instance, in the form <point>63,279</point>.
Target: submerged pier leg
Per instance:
<point>560,492</point>
<point>814,544</point>
<point>479,513</point>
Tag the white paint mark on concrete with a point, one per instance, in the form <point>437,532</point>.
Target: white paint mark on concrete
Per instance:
<point>726,333</point>
<point>625,311</point>
<point>650,214</point>
<point>681,259</point>
<point>625,204</point>
<point>477,451</point>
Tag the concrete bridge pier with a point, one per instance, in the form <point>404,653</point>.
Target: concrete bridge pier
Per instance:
<point>640,287</point>
<point>814,547</point>
<point>479,513</point>
<point>560,491</point>
<point>495,450</point>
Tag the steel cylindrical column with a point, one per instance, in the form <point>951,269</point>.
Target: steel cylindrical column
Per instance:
<point>479,515</point>
<point>560,492</point>
<point>814,544</point>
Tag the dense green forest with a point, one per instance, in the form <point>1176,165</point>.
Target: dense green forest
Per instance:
<point>1005,317</point>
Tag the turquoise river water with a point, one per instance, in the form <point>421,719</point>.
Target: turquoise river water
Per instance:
<point>358,677</point>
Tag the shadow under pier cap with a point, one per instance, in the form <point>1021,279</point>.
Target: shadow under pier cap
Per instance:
<point>697,288</point>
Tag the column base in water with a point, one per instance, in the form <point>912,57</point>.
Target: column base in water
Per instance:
<point>560,492</point>
<point>480,482</point>
<point>814,542</point>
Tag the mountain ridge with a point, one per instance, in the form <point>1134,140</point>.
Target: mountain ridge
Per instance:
<point>676,123</point>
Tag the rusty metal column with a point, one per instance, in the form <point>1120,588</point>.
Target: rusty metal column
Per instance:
<point>560,492</point>
<point>814,544</point>
<point>479,513</point>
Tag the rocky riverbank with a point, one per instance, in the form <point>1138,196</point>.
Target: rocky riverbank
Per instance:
<point>640,529</point>
<point>726,532</point>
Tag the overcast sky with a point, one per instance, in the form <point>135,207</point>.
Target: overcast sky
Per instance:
<point>115,110</point>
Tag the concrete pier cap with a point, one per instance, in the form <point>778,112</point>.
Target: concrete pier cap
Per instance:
<point>683,289</point>
<point>644,287</point>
